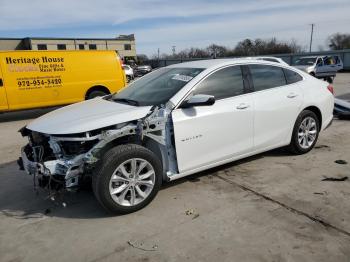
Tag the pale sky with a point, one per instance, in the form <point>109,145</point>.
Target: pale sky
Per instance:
<point>182,23</point>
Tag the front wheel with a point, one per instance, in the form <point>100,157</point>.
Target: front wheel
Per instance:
<point>127,179</point>
<point>96,93</point>
<point>305,133</point>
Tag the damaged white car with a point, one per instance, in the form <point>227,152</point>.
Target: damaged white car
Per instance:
<point>174,122</point>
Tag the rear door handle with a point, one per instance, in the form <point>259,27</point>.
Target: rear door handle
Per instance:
<point>292,95</point>
<point>242,106</point>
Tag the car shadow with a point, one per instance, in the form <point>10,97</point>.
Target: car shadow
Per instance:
<point>19,200</point>
<point>24,114</point>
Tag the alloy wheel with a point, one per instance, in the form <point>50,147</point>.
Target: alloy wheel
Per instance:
<point>307,132</point>
<point>132,182</point>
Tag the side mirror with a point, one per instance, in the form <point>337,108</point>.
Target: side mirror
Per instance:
<point>198,100</point>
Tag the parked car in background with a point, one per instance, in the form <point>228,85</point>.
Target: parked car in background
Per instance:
<point>142,70</point>
<point>34,79</point>
<point>324,67</point>
<point>173,122</point>
<point>129,72</point>
<point>268,58</point>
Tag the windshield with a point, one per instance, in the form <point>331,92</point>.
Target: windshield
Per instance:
<point>157,87</point>
<point>305,61</point>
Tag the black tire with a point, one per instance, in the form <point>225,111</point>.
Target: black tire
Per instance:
<point>128,79</point>
<point>313,74</point>
<point>96,93</point>
<point>294,145</point>
<point>110,161</point>
<point>329,79</point>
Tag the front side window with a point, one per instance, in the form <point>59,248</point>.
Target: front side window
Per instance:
<point>266,77</point>
<point>156,87</point>
<point>221,84</point>
<point>291,76</point>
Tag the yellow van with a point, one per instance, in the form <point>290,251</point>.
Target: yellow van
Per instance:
<point>33,79</point>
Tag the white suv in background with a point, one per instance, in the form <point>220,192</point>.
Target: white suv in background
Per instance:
<point>174,122</point>
<point>325,67</point>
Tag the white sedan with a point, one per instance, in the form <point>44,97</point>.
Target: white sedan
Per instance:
<point>174,122</point>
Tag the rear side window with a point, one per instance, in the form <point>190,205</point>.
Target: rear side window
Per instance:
<point>266,77</point>
<point>291,76</point>
<point>337,59</point>
<point>224,83</point>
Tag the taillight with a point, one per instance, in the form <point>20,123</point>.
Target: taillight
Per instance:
<point>331,89</point>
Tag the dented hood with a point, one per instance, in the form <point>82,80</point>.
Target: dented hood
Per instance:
<point>86,116</point>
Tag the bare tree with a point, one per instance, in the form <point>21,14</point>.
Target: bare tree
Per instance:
<point>141,58</point>
<point>259,46</point>
<point>217,51</point>
<point>339,41</point>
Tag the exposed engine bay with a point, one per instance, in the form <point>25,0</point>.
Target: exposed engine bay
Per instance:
<point>63,161</point>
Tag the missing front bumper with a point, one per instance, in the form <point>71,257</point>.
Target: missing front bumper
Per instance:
<point>64,172</point>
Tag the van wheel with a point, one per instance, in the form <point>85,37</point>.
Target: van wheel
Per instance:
<point>305,133</point>
<point>96,93</point>
<point>128,79</point>
<point>127,179</point>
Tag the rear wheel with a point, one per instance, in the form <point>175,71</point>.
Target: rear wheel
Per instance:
<point>96,93</point>
<point>305,133</point>
<point>127,179</point>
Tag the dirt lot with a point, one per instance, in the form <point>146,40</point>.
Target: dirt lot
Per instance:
<point>272,207</point>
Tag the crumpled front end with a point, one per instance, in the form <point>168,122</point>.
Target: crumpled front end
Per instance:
<point>56,162</point>
<point>64,161</point>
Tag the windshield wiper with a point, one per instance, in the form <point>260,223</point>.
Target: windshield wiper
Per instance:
<point>127,101</point>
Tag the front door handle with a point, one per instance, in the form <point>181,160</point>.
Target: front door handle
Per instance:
<point>1,82</point>
<point>242,106</point>
<point>292,95</point>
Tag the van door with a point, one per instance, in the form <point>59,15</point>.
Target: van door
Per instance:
<point>3,98</point>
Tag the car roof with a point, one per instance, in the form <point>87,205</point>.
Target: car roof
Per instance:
<point>211,63</point>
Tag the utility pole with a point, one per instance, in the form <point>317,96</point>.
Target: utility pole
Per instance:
<point>158,53</point>
<point>312,33</point>
<point>173,49</point>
